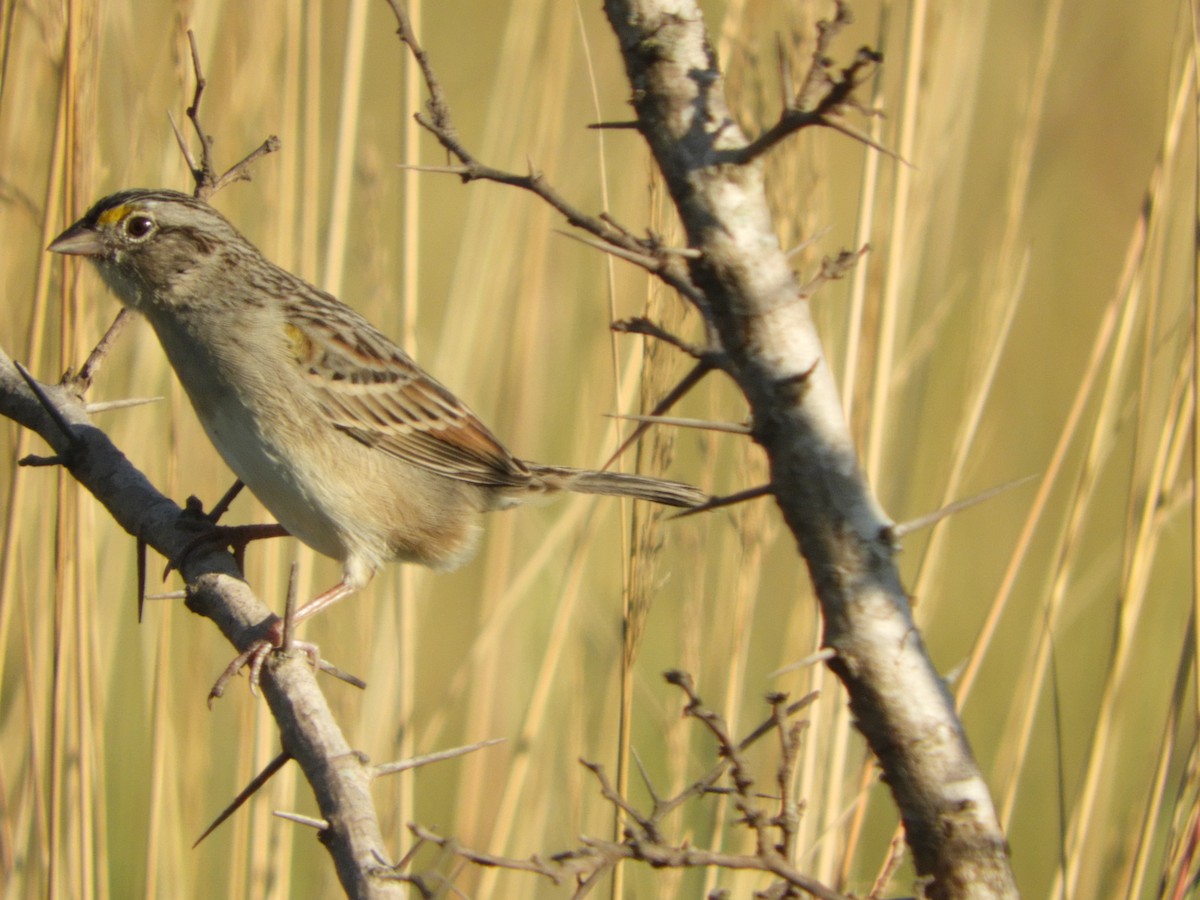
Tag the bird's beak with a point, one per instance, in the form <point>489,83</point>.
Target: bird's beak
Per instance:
<point>78,240</point>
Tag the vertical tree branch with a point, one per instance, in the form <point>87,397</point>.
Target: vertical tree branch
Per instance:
<point>774,353</point>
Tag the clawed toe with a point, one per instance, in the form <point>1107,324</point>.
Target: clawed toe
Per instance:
<point>254,658</point>
<point>235,537</point>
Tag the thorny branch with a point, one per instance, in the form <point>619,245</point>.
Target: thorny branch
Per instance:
<point>204,172</point>
<point>648,252</point>
<point>215,589</point>
<point>824,95</point>
<point>759,321</point>
<point>646,837</point>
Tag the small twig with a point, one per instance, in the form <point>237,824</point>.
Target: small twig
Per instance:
<point>787,820</point>
<point>204,173</point>
<point>246,793</point>
<point>821,98</point>
<point>896,853</point>
<point>92,364</point>
<point>33,461</point>
<point>648,328</point>
<point>533,864</point>
<point>440,124</point>
<point>240,171</point>
<point>834,268</point>
<point>648,826</point>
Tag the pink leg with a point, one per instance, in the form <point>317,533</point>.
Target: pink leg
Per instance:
<point>255,656</point>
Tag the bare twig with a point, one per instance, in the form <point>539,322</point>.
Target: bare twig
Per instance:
<point>439,123</point>
<point>92,364</point>
<point>823,96</point>
<point>204,173</point>
<point>644,839</point>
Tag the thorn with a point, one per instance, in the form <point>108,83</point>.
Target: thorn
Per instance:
<point>903,528</point>
<point>51,410</point>
<point>141,577</point>
<point>289,609</point>
<point>638,259</point>
<point>226,500</point>
<point>812,239</point>
<point>690,380</point>
<point>108,405</point>
<point>319,824</point>
<point>812,659</point>
<point>183,147</point>
<point>608,219</point>
<point>406,764</point>
<point>728,427</point>
<point>864,138</point>
<point>685,252</point>
<point>341,674</point>
<point>637,759</point>
<point>462,171</point>
<point>787,87</point>
<point>632,125</point>
<point>718,502</point>
<point>246,793</point>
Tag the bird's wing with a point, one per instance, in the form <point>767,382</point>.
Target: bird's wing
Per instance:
<point>372,390</point>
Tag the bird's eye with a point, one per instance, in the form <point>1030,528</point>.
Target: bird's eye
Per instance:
<point>138,226</point>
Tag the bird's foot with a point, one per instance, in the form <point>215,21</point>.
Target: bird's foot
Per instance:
<point>255,656</point>
<point>220,537</point>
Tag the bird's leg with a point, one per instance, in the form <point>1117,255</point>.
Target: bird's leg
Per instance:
<point>255,656</point>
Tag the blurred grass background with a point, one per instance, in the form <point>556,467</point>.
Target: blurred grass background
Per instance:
<point>1027,309</point>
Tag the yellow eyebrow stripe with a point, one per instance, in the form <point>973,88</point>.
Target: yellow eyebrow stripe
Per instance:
<point>114,215</point>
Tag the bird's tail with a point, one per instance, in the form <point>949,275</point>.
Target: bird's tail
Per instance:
<point>619,484</point>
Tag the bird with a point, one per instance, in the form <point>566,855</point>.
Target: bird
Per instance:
<point>350,445</point>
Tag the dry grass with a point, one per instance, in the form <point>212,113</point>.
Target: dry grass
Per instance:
<point>1027,309</point>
